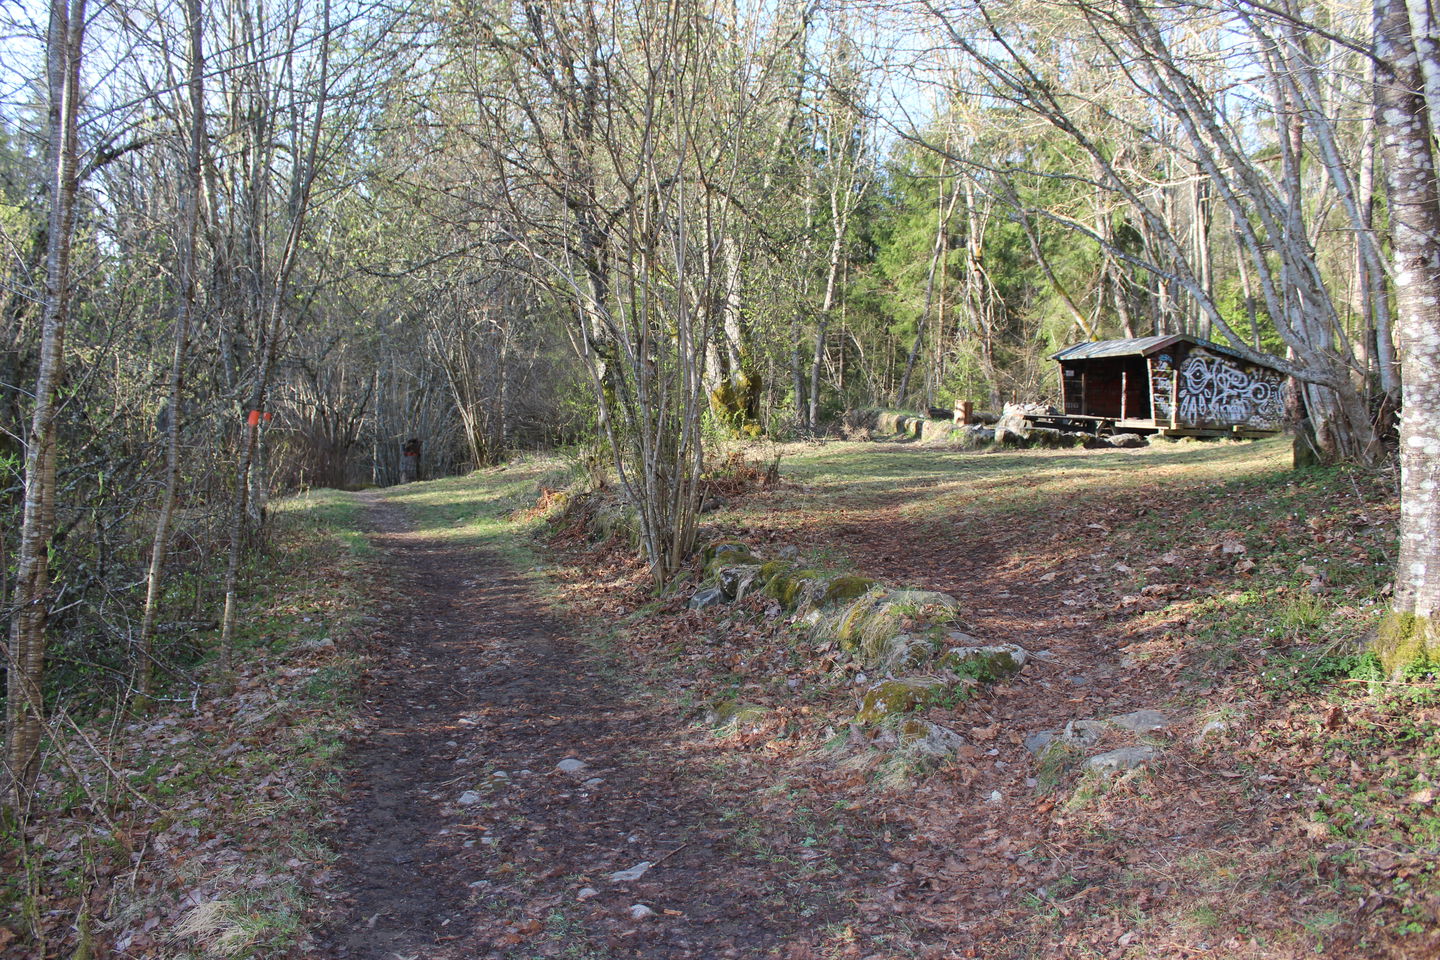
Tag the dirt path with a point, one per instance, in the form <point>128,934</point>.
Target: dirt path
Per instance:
<point>462,837</point>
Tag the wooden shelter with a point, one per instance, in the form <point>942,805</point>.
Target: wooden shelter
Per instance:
<point>1174,386</point>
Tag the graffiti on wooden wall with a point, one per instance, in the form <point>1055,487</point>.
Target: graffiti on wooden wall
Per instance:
<point>1161,367</point>
<point>1216,389</point>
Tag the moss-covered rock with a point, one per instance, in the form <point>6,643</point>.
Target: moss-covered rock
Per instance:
<point>877,626</point>
<point>793,588</point>
<point>890,698</point>
<point>905,651</point>
<point>712,550</point>
<point>986,663</point>
<point>846,588</point>
<point>738,581</point>
<point>728,555</point>
<point>731,713</point>
<point>769,569</point>
<point>928,739</point>
<point>1053,439</point>
<point>736,403</point>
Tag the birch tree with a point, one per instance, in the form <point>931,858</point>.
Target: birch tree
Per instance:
<point>1408,95</point>
<point>25,694</point>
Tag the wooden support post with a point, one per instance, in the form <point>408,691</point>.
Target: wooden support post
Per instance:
<point>1175,397</point>
<point>964,412</point>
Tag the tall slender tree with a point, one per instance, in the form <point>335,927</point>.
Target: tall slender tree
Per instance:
<point>25,694</point>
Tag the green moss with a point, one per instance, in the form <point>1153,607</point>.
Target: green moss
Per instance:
<point>728,555</point>
<point>846,588</point>
<point>985,664</point>
<point>1406,643</point>
<point>912,730</point>
<point>789,588</point>
<point>892,697</point>
<point>731,713</point>
<point>736,403</point>
<point>769,570</point>
<point>727,546</point>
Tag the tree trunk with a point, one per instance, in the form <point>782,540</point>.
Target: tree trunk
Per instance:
<point>25,682</point>
<point>937,256</point>
<point>1410,634</point>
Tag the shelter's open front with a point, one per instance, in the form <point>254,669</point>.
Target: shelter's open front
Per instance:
<point>1115,388</point>
<point>1171,385</point>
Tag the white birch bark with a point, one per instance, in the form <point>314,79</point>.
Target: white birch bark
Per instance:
<point>25,704</point>
<point>1411,634</point>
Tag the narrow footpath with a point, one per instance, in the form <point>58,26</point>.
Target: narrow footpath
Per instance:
<point>472,832</point>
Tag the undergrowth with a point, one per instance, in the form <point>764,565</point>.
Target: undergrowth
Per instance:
<point>198,829</point>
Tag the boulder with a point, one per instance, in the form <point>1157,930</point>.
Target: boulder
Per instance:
<point>737,581</point>
<point>893,697</point>
<point>728,555</point>
<point>872,625</point>
<point>1012,423</point>
<point>1139,721</point>
<point>1037,742</point>
<point>1028,409</point>
<point>842,589</point>
<point>932,430</point>
<point>1127,441</point>
<point>1050,438</point>
<point>794,589</point>
<point>1118,761</point>
<point>730,713</point>
<point>711,551</point>
<point>708,597</point>
<point>976,435</point>
<point>903,651</point>
<point>1076,734</point>
<point>987,663</point>
<point>929,739</point>
<point>1009,437</point>
<point>1012,429</point>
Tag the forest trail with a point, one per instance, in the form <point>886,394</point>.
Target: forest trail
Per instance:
<point>463,839</point>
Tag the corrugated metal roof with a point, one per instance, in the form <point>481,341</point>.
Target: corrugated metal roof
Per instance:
<point>1140,346</point>
<point>1136,347</point>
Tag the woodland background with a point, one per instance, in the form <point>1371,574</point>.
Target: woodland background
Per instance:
<point>255,247</point>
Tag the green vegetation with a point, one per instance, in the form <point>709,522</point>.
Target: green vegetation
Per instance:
<point>255,771</point>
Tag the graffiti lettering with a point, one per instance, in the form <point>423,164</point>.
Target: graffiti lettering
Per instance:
<point>1216,389</point>
<point>1160,367</point>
